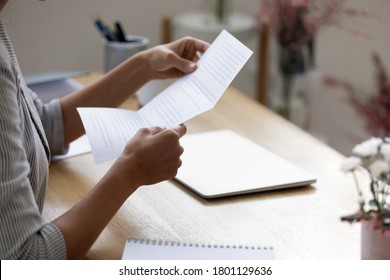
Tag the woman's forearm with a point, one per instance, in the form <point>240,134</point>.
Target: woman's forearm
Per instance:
<point>109,91</point>
<point>151,156</point>
<point>82,224</point>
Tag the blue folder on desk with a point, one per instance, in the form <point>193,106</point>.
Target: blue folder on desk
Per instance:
<point>223,163</point>
<point>54,84</point>
<point>49,77</point>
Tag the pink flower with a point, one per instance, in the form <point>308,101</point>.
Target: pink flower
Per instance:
<point>295,22</point>
<point>386,233</point>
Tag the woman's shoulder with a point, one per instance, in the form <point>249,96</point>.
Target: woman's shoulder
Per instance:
<point>5,46</point>
<point>8,78</point>
<point>7,68</point>
<point>7,54</point>
<point>5,60</point>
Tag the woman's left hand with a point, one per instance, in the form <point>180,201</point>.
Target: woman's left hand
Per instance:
<point>175,59</point>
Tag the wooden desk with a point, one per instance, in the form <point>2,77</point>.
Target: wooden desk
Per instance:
<point>300,223</point>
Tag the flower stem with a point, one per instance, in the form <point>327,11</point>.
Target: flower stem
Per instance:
<point>287,86</point>
<point>375,195</point>
<point>359,191</point>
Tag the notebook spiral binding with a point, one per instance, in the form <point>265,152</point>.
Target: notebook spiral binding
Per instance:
<point>190,244</point>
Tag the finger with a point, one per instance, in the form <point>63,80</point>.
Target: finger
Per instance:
<point>197,56</point>
<point>196,48</point>
<point>155,129</point>
<point>184,65</point>
<point>174,73</point>
<point>201,46</point>
<point>181,129</point>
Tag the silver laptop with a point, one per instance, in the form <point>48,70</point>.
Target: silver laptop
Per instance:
<point>223,163</point>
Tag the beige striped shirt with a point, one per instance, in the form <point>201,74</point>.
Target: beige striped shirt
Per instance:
<point>29,132</point>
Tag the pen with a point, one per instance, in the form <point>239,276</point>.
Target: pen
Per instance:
<point>104,31</point>
<point>120,33</point>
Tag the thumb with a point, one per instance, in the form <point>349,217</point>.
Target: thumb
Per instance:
<point>184,65</point>
<point>181,130</point>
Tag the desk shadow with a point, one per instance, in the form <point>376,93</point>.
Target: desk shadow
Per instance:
<point>245,197</point>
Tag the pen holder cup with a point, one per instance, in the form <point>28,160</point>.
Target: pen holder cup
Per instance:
<point>117,52</point>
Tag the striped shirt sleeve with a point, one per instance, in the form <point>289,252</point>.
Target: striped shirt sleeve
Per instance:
<point>23,233</point>
<point>52,121</point>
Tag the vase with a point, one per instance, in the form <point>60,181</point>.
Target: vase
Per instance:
<point>374,246</point>
<point>296,71</point>
<point>220,10</point>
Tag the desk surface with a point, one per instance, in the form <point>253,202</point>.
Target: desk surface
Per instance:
<point>302,223</point>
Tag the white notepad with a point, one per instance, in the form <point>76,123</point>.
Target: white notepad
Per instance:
<point>222,163</point>
<point>165,250</point>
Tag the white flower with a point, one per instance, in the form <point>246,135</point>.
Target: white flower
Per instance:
<point>378,167</point>
<point>350,164</point>
<point>385,150</point>
<point>368,147</point>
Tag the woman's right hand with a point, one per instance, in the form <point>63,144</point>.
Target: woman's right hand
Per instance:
<point>152,155</point>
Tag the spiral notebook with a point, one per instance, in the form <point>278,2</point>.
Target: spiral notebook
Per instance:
<point>166,250</point>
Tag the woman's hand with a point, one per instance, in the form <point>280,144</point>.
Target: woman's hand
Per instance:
<point>152,156</point>
<point>175,59</point>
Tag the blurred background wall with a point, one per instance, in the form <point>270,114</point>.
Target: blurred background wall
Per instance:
<point>59,35</point>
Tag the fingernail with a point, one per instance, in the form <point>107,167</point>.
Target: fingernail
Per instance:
<point>191,66</point>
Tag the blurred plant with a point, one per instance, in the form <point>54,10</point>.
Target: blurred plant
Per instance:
<point>374,109</point>
<point>295,24</point>
<point>219,9</point>
<point>373,155</point>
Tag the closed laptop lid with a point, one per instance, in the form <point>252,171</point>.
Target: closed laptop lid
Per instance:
<point>223,163</point>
